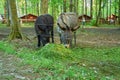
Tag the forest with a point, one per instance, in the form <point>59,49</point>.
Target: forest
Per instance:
<point>95,40</point>
<point>93,8</point>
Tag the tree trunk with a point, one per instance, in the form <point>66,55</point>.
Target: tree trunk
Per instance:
<point>115,7</point>
<point>26,10</point>
<point>91,9</point>
<point>96,9</point>
<point>103,9</point>
<point>64,5</point>
<point>6,13</point>
<point>99,13</point>
<point>38,9</point>
<point>85,6</point>
<point>110,8</point>
<point>71,5</point>
<point>14,23</point>
<point>44,6</point>
<point>52,8</point>
<point>77,3</point>
<point>119,13</point>
<point>107,11</point>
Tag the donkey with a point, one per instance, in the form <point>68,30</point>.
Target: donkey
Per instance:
<point>67,26</point>
<point>44,29</point>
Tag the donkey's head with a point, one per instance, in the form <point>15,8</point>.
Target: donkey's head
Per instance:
<point>68,23</point>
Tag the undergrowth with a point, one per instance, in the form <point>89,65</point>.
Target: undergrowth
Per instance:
<point>55,62</point>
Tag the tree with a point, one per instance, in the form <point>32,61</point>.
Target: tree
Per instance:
<point>119,12</point>
<point>38,9</point>
<point>110,8</point>
<point>71,5</point>
<point>107,9</point>
<point>99,12</point>
<point>76,6</point>
<point>115,7</point>
<point>55,7</point>
<point>85,6</point>
<point>64,5</point>
<point>91,9</point>
<point>44,6</point>
<point>14,23</point>
<point>6,13</point>
<point>77,3</point>
<point>96,8</point>
<point>26,7</point>
<point>103,9</point>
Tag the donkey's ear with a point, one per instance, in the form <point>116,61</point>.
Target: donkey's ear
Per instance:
<point>75,28</point>
<point>41,28</point>
<point>61,27</point>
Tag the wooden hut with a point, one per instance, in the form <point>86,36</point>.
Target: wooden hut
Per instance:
<point>28,18</point>
<point>111,19</point>
<point>85,17</point>
<point>102,20</point>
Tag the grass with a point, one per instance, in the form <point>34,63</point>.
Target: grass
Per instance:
<point>5,46</point>
<point>30,24</point>
<point>2,25</point>
<point>55,62</point>
<point>110,26</point>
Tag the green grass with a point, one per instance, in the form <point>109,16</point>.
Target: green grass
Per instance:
<point>30,24</point>
<point>8,48</point>
<point>2,25</point>
<point>55,62</point>
<point>109,25</point>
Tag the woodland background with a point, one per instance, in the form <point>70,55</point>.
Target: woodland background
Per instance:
<point>94,8</point>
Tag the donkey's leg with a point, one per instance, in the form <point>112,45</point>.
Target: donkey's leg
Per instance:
<point>52,35</point>
<point>75,38</point>
<point>60,38</point>
<point>39,40</point>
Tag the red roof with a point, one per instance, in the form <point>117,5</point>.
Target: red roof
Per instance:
<point>29,16</point>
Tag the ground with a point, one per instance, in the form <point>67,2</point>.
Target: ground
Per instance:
<point>99,37</point>
<point>86,37</point>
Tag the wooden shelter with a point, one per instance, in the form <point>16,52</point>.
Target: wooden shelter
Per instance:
<point>28,18</point>
<point>84,17</point>
<point>102,20</point>
<point>111,19</point>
